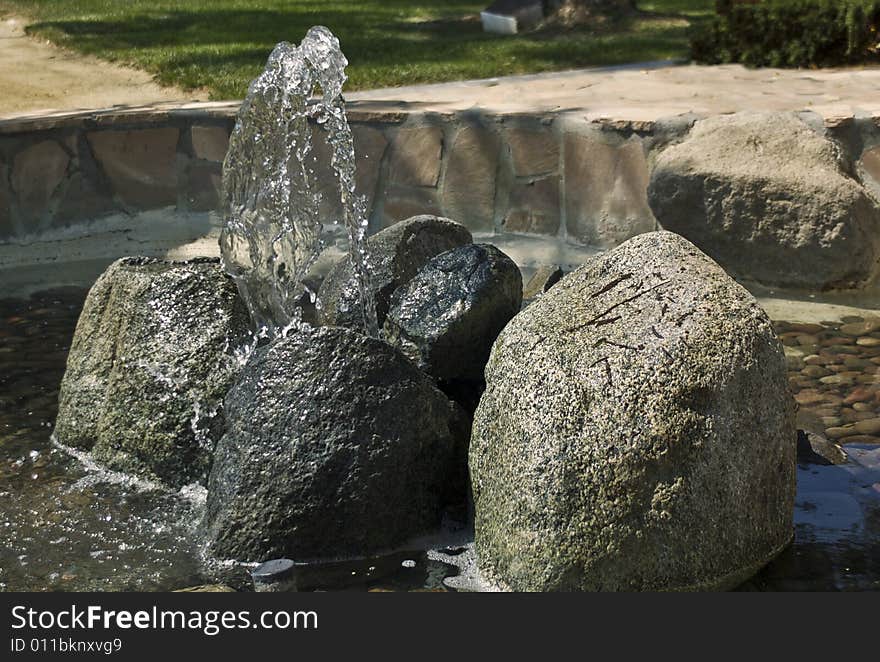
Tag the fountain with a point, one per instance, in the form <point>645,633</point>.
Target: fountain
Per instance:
<point>348,449</point>
<point>272,234</point>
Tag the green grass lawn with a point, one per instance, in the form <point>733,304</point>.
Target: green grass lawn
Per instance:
<point>221,45</point>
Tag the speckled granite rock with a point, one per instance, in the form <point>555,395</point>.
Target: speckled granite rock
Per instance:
<point>336,445</point>
<point>150,363</point>
<point>395,255</point>
<point>447,317</point>
<point>637,431</point>
<point>768,198</point>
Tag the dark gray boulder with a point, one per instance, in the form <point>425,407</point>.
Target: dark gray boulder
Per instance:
<point>336,445</point>
<point>767,196</point>
<point>396,254</point>
<point>149,365</point>
<point>447,317</point>
<point>637,431</point>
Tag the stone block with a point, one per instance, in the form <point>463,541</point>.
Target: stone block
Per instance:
<point>416,154</point>
<point>534,207</point>
<point>7,227</point>
<point>468,194</point>
<point>209,142</point>
<point>605,190</point>
<point>402,203</point>
<point>204,182</point>
<point>37,171</point>
<point>140,164</point>
<point>369,149</point>
<point>81,200</point>
<point>322,176</point>
<point>533,151</point>
<point>869,170</point>
<point>512,16</point>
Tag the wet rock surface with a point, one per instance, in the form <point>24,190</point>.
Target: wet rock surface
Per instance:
<point>768,198</point>
<point>336,445</point>
<point>636,432</point>
<point>447,317</point>
<point>150,362</point>
<point>396,254</point>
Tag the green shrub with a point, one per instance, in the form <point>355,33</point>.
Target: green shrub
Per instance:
<point>790,33</point>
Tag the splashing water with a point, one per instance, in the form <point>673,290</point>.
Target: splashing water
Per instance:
<point>272,234</point>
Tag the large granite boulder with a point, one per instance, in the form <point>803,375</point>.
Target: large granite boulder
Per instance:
<point>637,431</point>
<point>447,317</point>
<point>395,254</point>
<point>150,363</point>
<point>336,445</point>
<point>766,196</point>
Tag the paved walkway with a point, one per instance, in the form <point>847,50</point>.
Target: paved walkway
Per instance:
<point>648,92</point>
<point>35,76</point>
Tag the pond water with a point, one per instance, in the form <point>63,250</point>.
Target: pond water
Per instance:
<point>67,525</point>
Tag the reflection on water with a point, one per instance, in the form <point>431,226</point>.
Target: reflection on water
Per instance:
<point>64,526</point>
<point>837,529</point>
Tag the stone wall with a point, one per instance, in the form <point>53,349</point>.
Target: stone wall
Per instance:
<point>497,174</point>
<point>554,176</point>
<point>56,172</point>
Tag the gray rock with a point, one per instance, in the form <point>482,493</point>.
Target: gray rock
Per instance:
<point>447,317</point>
<point>150,362</point>
<point>396,254</point>
<point>336,445</point>
<point>637,431</point>
<point>206,588</point>
<point>816,448</point>
<point>545,277</point>
<point>766,196</point>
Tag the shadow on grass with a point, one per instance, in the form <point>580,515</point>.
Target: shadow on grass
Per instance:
<point>224,49</point>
